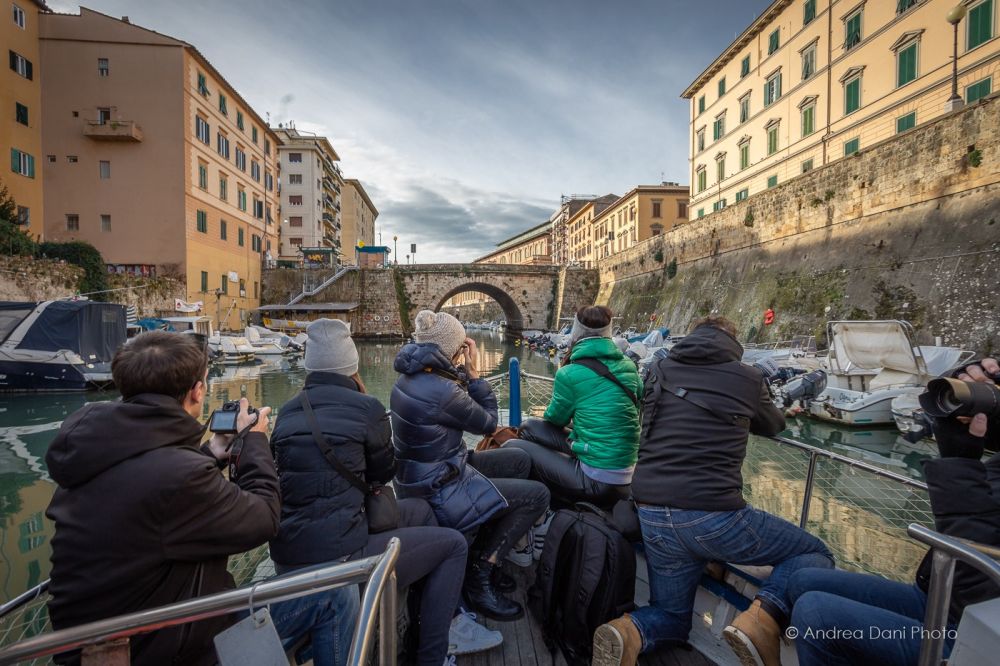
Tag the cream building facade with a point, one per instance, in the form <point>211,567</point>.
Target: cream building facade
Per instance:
<point>646,211</point>
<point>310,194</point>
<point>21,126</point>
<point>156,160</point>
<point>814,81</point>
<point>580,233</point>
<point>358,217</point>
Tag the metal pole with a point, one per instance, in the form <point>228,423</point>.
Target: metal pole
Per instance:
<point>936,618</point>
<point>387,623</point>
<point>807,495</point>
<point>361,643</point>
<point>514,401</point>
<point>954,65</point>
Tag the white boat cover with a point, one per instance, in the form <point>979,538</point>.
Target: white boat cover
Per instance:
<point>639,349</point>
<point>874,345</point>
<point>654,339</point>
<point>940,359</point>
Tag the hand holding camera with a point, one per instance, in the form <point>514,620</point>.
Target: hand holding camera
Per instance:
<point>233,419</point>
<point>972,398</point>
<point>471,356</point>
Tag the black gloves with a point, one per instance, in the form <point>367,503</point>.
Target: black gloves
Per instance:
<point>955,441</point>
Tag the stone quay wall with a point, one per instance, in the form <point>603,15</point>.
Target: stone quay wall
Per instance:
<point>906,229</point>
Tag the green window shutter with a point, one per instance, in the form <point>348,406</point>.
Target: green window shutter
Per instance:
<point>239,237</point>
<point>852,146</point>
<point>239,119</point>
<point>745,67</point>
<point>204,281</point>
<point>906,64</point>
<point>31,166</point>
<point>772,181</point>
<point>807,165</point>
<point>720,170</point>
<point>701,104</point>
<point>809,12</point>
<point>744,156</point>
<point>978,90</point>
<point>807,120</point>
<point>722,86</point>
<point>222,230</point>
<point>701,212</point>
<point>906,122</point>
<point>852,96</point>
<point>253,134</point>
<point>772,141</point>
<point>980,22</point>
<point>774,41</point>
<point>15,160</point>
<point>225,284</point>
<point>853,31</point>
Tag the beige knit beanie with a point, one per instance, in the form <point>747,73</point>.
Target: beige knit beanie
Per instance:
<point>439,328</point>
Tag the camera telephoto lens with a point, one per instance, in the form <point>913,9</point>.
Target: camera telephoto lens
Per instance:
<point>953,397</point>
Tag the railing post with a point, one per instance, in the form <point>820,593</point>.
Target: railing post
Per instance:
<point>514,402</point>
<point>807,495</point>
<point>938,602</point>
<point>387,623</point>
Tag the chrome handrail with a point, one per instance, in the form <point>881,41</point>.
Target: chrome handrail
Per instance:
<point>945,552</point>
<point>25,597</point>
<point>379,570</point>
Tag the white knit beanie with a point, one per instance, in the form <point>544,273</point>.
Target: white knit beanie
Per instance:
<point>330,348</point>
<point>580,331</point>
<point>441,329</point>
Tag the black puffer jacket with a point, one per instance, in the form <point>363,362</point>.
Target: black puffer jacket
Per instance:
<point>965,498</point>
<point>321,516</point>
<point>431,407</point>
<point>688,457</point>
<point>143,519</point>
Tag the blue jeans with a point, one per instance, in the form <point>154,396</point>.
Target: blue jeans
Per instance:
<point>679,542</point>
<point>328,618</point>
<point>850,618</point>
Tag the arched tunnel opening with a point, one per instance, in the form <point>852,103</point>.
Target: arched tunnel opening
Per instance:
<point>510,309</point>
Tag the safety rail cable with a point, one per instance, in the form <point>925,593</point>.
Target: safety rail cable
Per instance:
<point>377,571</point>
<point>946,551</point>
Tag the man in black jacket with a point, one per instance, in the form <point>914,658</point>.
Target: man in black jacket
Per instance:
<point>841,617</point>
<point>701,404</point>
<point>143,516</point>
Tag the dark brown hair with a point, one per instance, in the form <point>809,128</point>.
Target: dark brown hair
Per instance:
<point>594,316</point>
<point>716,321</point>
<point>160,362</point>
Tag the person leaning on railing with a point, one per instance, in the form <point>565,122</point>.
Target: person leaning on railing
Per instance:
<point>840,617</point>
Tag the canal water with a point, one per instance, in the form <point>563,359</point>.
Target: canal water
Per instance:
<point>29,422</point>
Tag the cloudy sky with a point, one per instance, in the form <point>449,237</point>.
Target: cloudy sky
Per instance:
<point>466,120</point>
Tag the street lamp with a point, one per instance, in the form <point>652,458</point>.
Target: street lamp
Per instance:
<point>955,17</point>
<point>394,260</point>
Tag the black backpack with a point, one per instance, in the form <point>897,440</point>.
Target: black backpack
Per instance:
<point>585,577</point>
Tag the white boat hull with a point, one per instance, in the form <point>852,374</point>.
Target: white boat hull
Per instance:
<point>858,408</point>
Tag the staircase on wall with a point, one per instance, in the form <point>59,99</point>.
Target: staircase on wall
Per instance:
<point>306,293</point>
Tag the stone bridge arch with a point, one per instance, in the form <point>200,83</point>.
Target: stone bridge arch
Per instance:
<point>511,311</point>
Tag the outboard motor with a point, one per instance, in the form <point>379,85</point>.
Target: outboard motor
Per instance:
<point>804,387</point>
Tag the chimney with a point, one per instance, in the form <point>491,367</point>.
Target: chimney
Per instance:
<point>125,19</point>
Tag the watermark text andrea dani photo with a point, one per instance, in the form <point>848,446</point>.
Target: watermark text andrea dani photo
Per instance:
<point>868,633</point>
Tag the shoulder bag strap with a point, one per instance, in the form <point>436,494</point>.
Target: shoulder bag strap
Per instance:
<point>725,417</point>
<point>327,450</point>
<point>605,371</point>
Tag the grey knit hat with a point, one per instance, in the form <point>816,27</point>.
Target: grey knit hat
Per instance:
<point>579,331</point>
<point>330,347</point>
<point>441,329</point>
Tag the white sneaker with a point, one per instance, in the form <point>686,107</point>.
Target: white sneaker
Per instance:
<point>449,660</point>
<point>521,557</point>
<point>538,534</point>
<point>466,635</point>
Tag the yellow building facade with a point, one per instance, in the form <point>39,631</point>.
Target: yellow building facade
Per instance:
<point>646,211</point>
<point>579,231</point>
<point>21,125</point>
<point>358,216</point>
<point>814,81</point>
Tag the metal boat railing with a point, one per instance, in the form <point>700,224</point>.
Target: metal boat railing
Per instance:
<point>111,634</point>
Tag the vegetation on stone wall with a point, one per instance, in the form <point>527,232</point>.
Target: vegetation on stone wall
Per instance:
<point>404,301</point>
<point>84,255</point>
<point>672,269</point>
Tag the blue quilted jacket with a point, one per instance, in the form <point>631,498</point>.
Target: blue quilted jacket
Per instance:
<point>431,406</point>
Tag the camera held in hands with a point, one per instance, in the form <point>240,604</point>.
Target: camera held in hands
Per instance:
<point>946,397</point>
<point>224,419</point>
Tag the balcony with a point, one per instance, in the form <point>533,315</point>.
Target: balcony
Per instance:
<point>329,218</point>
<point>113,130</point>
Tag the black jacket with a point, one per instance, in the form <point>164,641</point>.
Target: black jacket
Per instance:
<point>688,457</point>
<point>321,512</point>
<point>965,498</point>
<point>143,518</point>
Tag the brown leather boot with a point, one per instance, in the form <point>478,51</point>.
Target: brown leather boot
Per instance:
<point>617,643</point>
<point>755,637</point>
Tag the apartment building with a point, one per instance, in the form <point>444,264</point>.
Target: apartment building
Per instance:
<point>813,81</point>
<point>310,195</point>
<point>569,205</point>
<point>155,159</point>
<point>580,233</point>
<point>21,125</point>
<point>358,217</point>
<point>646,211</point>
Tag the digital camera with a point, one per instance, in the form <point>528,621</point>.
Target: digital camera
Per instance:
<point>223,420</point>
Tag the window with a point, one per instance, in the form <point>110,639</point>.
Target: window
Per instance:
<point>204,281</point>
<point>201,221</point>
<point>239,237</point>
<point>253,134</point>
<point>742,194</point>
<point>720,169</point>
<point>23,215</point>
<point>22,163</point>
<point>241,159</point>
<point>297,242</point>
<point>72,159</point>
<point>808,120</point>
<point>701,104</point>
<point>295,200</point>
<point>980,25</point>
<point>223,187</point>
<point>852,146</point>
<point>241,198</point>
<point>51,158</point>
<point>852,30</point>
<point>722,86</point>
<point>19,17</point>
<point>682,209</point>
<point>808,12</point>
<point>21,113</point>
<point>772,181</point>
<point>202,175</point>
<point>103,115</point>
<point>224,288</point>
<point>222,105</point>
<point>774,41</point>
<point>21,65</point>
<point>852,95</point>
<point>719,127</point>
<point>808,62</point>
<point>701,212</point>
<point>255,170</point>
<point>202,88</point>
<point>72,223</point>
<point>807,165</point>
<point>772,139</point>
<point>903,5</point>
<point>268,181</point>
<point>745,67</point>
<point>222,229</point>
<point>656,209</point>
<point>702,179</point>
<point>222,145</point>
<point>258,208</point>
<point>106,224</point>
<point>294,157</point>
<point>105,169</point>
<point>239,119</point>
<point>772,89</point>
<point>295,221</point>
<point>978,90</point>
<point>103,68</point>
<point>744,155</point>
<point>202,130</point>
<point>700,136</point>
<point>255,243</point>
<point>745,108</point>
<point>295,179</point>
<point>719,205</point>
<point>267,146</point>
<point>906,64</point>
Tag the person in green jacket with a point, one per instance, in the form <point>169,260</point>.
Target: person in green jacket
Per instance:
<point>594,460</point>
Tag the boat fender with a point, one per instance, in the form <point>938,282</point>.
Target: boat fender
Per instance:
<point>768,317</point>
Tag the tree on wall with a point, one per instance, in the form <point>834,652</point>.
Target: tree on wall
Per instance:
<point>84,255</point>
<point>14,241</point>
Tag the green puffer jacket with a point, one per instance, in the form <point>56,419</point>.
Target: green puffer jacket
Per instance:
<point>605,431</point>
